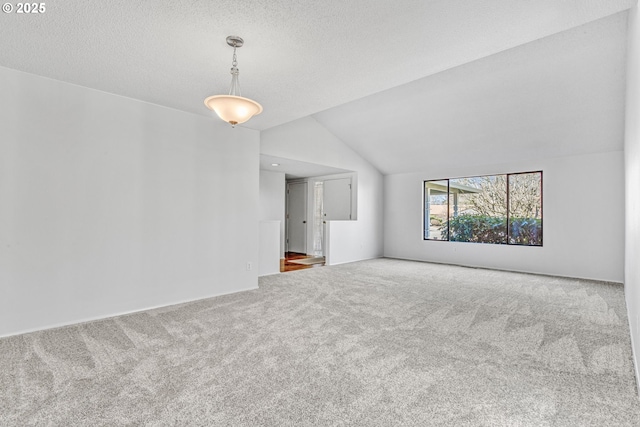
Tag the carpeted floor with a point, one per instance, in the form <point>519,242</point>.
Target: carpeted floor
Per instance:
<point>374,343</point>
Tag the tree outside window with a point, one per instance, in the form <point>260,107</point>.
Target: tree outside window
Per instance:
<point>501,209</point>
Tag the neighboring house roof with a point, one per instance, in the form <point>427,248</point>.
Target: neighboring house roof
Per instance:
<point>438,188</point>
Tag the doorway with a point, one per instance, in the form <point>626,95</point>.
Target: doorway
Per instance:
<point>300,226</point>
<point>296,217</point>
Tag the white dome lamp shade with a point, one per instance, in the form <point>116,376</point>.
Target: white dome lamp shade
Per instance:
<point>233,108</point>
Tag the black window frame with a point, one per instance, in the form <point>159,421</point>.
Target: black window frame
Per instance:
<point>426,214</point>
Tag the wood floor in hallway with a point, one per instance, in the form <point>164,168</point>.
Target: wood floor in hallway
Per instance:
<point>286,265</point>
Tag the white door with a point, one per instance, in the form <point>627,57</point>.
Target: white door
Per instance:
<point>337,199</point>
<point>297,217</point>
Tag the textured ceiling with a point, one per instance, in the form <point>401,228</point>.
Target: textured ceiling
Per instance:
<point>300,57</point>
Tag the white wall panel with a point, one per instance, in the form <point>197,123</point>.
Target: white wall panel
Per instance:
<point>632,179</point>
<point>111,205</point>
<point>306,140</point>
<point>272,201</point>
<point>583,217</point>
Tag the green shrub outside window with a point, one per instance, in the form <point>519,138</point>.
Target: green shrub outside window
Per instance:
<point>499,209</point>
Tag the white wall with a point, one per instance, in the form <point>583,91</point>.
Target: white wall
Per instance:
<point>583,217</point>
<point>110,205</point>
<point>632,179</point>
<point>308,141</point>
<point>272,200</point>
<point>269,250</point>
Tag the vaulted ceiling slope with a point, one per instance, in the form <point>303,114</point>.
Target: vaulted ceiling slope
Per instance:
<point>558,96</point>
<point>299,58</point>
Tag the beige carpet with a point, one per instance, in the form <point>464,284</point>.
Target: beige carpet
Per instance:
<point>373,343</point>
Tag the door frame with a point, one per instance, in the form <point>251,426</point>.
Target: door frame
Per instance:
<point>306,214</point>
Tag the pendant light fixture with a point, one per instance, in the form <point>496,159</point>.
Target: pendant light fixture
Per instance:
<point>233,108</point>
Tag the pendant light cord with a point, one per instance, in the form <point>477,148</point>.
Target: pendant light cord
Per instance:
<point>235,72</point>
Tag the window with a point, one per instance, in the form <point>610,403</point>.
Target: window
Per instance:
<point>501,209</point>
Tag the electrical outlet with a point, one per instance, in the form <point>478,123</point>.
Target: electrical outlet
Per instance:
<point>249,266</point>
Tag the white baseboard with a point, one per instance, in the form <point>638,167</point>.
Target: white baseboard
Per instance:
<point>123,313</point>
